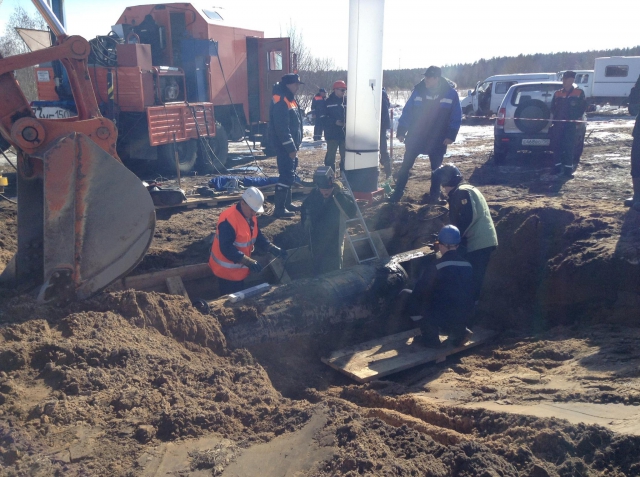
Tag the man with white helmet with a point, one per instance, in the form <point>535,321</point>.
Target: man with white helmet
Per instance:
<point>443,295</point>
<point>236,236</point>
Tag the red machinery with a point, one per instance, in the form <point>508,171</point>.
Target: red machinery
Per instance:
<point>84,219</point>
<point>174,71</point>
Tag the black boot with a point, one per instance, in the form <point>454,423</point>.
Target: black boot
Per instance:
<point>635,200</point>
<point>288,205</point>
<point>280,198</point>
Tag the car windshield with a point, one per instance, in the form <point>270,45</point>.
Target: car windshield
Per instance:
<point>527,92</point>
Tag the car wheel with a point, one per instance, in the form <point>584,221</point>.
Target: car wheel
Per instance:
<point>218,147</point>
<point>187,154</point>
<point>532,116</point>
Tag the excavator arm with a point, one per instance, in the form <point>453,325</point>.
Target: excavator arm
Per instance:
<point>84,219</point>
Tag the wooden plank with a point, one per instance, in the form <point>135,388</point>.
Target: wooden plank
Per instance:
<point>176,287</point>
<point>391,354</point>
<point>148,280</point>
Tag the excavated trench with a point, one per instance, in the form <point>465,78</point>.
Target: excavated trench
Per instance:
<point>109,386</point>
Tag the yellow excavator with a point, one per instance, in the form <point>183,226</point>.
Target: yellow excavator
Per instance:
<point>84,219</point>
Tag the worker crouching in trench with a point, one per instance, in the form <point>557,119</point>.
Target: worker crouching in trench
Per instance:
<point>324,214</point>
<point>442,298</point>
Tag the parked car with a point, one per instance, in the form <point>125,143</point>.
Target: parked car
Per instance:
<point>524,120</point>
<point>486,98</point>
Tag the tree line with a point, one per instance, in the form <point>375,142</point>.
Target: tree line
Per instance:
<point>465,75</point>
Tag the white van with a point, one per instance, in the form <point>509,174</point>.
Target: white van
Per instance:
<point>584,80</point>
<point>485,99</point>
<point>614,76</point>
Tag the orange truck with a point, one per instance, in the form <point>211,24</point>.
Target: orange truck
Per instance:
<point>177,80</point>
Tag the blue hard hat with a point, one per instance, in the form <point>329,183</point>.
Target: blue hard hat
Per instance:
<point>448,175</point>
<point>449,235</point>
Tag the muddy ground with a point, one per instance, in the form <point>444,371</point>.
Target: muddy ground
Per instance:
<point>135,383</point>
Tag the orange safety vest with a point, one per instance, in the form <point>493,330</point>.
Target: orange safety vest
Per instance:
<point>245,239</point>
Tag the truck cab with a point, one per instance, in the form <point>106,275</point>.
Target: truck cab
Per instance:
<point>180,80</point>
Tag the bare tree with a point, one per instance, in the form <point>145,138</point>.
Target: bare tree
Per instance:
<point>11,44</point>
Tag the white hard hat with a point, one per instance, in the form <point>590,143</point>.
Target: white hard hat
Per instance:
<point>254,199</point>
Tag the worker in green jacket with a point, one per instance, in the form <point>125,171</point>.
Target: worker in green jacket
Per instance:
<point>324,214</point>
<point>469,212</point>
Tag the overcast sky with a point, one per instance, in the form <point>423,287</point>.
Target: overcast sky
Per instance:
<point>417,33</point>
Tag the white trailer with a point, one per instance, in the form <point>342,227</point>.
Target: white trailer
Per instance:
<point>614,77</point>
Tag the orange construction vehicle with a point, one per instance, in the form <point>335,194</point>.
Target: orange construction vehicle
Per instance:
<point>176,78</point>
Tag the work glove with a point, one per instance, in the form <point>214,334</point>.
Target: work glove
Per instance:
<point>278,252</point>
<point>251,264</point>
<point>337,186</point>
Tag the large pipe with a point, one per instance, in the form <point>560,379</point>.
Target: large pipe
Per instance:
<point>364,80</point>
<point>309,305</point>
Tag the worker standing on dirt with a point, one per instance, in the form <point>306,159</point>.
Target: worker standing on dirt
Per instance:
<point>318,109</point>
<point>443,295</point>
<point>385,125</point>
<point>568,104</point>
<point>429,123</point>
<point>334,128</point>
<point>285,133</point>
<point>236,235</point>
<point>634,104</point>
<point>324,213</point>
<point>469,212</point>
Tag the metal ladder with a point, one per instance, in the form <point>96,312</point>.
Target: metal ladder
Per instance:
<point>360,221</point>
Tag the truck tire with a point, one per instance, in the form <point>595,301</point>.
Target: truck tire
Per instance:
<point>187,154</point>
<point>220,147</point>
<point>535,110</point>
<point>238,130</point>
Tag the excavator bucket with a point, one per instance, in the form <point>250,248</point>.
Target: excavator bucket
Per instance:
<point>83,222</point>
<point>84,219</point>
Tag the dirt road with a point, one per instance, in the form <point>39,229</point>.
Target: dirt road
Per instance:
<point>134,383</point>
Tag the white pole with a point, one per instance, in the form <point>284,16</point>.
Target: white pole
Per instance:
<point>364,84</point>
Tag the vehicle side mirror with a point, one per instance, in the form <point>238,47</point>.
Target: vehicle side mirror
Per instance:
<point>468,92</point>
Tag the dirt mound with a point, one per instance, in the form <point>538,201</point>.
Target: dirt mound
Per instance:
<point>82,392</point>
<point>558,264</point>
<point>8,232</point>
<point>480,442</point>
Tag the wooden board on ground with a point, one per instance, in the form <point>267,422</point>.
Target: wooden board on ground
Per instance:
<point>176,287</point>
<point>390,354</point>
<point>197,201</point>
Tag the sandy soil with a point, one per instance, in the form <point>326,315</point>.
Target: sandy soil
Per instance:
<point>134,383</point>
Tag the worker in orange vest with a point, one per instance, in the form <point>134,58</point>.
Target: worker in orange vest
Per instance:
<point>236,236</point>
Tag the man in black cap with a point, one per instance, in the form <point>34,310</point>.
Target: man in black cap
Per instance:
<point>318,109</point>
<point>324,214</point>
<point>285,134</point>
<point>568,104</point>
<point>430,122</point>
